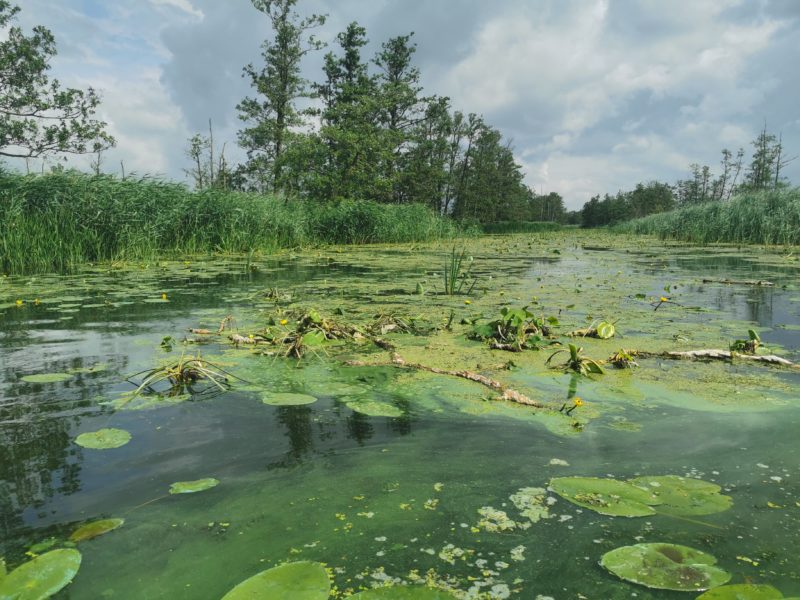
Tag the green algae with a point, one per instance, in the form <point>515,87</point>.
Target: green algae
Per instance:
<point>404,592</point>
<point>742,591</point>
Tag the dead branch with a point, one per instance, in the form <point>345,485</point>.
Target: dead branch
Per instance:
<point>740,282</point>
<point>714,354</point>
<point>200,331</point>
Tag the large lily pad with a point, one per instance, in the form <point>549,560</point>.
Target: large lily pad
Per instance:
<point>103,439</point>
<point>47,377</point>
<point>94,529</point>
<point>606,496</point>
<point>665,567</point>
<point>404,592</point>
<point>287,399</point>
<point>41,577</point>
<point>190,487</point>
<point>605,330</point>
<point>684,496</point>
<point>293,581</point>
<point>374,408</point>
<point>742,591</point>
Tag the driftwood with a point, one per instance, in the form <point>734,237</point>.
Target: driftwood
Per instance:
<point>200,331</point>
<point>586,332</point>
<point>505,392</point>
<point>740,282</point>
<point>714,354</point>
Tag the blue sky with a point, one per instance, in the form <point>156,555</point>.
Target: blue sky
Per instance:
<point>596,95</point>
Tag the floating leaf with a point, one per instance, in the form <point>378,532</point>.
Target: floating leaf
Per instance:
<point>404,592</point>
<point>665,567</point>
<point>94,529</point>
<point>41,577</point>
<point>315,337</point>
<point>293,581</point>
<point>605,496</point>
<point>374,408</point>
<point>103,439</point>
<point>742,591</point>
<point>190,487</point>
<point>287,399</point>
<point>684,496</point>
<point>47,377</point>
<point>605,330</point>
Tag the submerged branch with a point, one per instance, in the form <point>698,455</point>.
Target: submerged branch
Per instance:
<point>740,282</point>
<point>715,354</point>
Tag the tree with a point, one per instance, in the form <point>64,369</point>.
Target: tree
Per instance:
<point>37,116</point>
<point>207,171</point>
<point>271,117</point>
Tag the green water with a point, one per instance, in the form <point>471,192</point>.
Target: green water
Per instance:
<point>322,482</point>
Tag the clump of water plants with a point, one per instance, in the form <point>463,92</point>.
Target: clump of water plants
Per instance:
<point>514,329</point>
<point>181,376</point>
<point>458,273</point>
<point>603,330</point>
<point>748,346</point>
<point>577,362</point>
<point>624,359</point>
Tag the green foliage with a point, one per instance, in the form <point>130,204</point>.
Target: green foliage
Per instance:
<point>95,529</point>
<point>645,199</point>
<point>103,439</point>
<point>742,591</point>
<point>606,496</point>
<point>192,487</point>
<point>41,577</point>
<point>578,363</point>
<point>38,116</point>
<point>520,226</point>
<point>58,221</point>
<point>455,274</point>
<point>771,217</point>
<point>514,329</point>
<point>748,346</point>
<point>296,581</point>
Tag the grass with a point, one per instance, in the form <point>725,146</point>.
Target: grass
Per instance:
<point>58,221</point>
<point>771,218</point>
<point>521,226</point>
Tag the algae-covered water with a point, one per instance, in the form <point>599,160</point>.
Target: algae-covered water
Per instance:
<point>396,498</point>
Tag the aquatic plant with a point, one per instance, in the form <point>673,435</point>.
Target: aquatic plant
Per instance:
<point>95,529</point>
<point>303,580</point>
<point>665,567</point>
<point>103,439</point>
<point>404,592</point>
<point>42,577</point>
<point>748,346</point>
<point>181,375</point>
<point>742,591</point>
<point>576,362</point>
<point>515,329</point>
<point>624,359</point>
<point>455,275</point>
<point>192,487</point>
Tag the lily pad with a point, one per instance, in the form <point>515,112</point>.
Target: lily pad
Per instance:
<point>47,377</point>
<point>665,567</point>
<point>684,496</point>
<point>287,399</point>
<point>742,591</point>
<point>95,529</point>
<point>190,487</point>
<point>103,439</point>
<point>605,330</point>
<point>293,581</point>
<point>41,577</point>
<point>374,408</point>
<point>606,496</point>
<point>404,592</point>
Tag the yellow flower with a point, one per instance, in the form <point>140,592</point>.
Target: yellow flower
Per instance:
<point>467,302</point>
<point>163,296</point>
<point>578,401</point>
<point>663,299</point>
<point>250,335</point>
<point>19,302</point>
<point>37,302</point>
<point>284,321</point>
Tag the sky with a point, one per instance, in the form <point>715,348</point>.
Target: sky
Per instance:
<point>595,95</point>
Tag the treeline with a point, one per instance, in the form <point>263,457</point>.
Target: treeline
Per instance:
<point>763,173</point>
<point>364,130</point>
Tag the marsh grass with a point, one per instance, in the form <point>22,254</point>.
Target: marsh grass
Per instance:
<point>771,218</point>
<point>457,271</point>
<point>56,222</point>
<point>521,227</point>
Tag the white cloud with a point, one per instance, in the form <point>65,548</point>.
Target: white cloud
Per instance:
<point>184,5</point>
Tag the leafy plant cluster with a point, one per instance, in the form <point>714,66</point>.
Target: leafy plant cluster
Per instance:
<point>514,329</point>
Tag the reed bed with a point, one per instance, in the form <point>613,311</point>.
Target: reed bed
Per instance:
<point>770,218</point>
<point>56,222</point>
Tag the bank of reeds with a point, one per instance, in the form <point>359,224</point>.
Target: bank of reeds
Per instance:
<point>771,218</point>
<point>521,226</point>
<point>56,222</point>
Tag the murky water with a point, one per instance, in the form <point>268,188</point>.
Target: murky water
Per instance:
<point>383,498</point>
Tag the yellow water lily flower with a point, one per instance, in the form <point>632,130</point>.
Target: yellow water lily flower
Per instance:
<point>663,299</point>
<point>163,296</point>
<point>578,401</point>
<point>467,302</point>
<point>284,321</point>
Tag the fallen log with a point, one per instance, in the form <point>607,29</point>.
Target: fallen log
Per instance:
<point>506,393</point>
<point>715,354</point>
<point>760,282</point>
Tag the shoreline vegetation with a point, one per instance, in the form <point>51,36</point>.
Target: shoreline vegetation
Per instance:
<point>56,222</point>
<point>769,218</point>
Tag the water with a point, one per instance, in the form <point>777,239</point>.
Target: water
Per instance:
<point>322,482</point>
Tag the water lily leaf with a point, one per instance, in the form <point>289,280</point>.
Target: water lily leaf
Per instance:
<point>190,487</point>
<point>404,592</point>
<point>742,591</point>
<point>287,399</point>
<point>47,377</point>
<point>314,338</point>
<point>94,529</point>
<point>665,567</point>
<point>684,496</point>
<point>41,577</point>
<point>605,330</point>
<point>374,408</point>
<point>103,439</point>
<point>606,496</point>
<point>293,581</point>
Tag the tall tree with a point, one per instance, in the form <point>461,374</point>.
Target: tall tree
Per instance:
<point>270,118</point>
<point>37,116</point>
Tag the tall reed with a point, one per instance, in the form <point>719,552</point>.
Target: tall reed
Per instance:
<point>771,218</point>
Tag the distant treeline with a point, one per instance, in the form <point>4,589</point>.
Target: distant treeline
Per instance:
<point>763,173</point>
<point>58,221</point>
<point>765,217</point>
